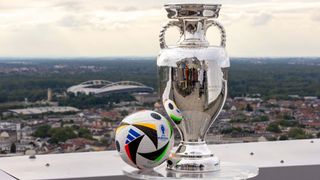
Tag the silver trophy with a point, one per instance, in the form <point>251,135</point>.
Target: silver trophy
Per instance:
<point>193,83</point>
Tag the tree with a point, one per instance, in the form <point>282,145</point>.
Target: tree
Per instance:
<point>42,131</point>
<point>61,134</point>
<point>249,108</point>
<point>13,148</point>
<point>124,113</point>
<point>106,141</point>
<point>287,117</point>
<point>297,133</point>
<point>264,118</point>
<point>87,101</point>
<point>274,127</point>
<point>261,119</point>
<point>283,137</point>
<point>289,123</point>
<point>106,119</point>
<point>272,73</point>
<point>84,133</point>
<point>233,131</point>
<point>273,138</point>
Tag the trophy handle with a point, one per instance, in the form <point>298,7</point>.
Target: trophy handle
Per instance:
<point>162,38</point>
<point>222,31</point>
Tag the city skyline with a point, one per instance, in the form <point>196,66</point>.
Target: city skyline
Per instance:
<point>33,28</point>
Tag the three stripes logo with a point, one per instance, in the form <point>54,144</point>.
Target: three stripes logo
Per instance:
<point>132,143</point>
<point>132,135</point>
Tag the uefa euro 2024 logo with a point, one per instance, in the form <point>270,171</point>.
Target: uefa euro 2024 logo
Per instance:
<point>163,135</point>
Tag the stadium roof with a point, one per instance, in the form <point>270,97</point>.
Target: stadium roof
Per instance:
<point>100,87</point>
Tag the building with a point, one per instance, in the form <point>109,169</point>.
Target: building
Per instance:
<point>44,110</point>
<point>103,87</point>
<point>146,97</point>
<point>49,95</point>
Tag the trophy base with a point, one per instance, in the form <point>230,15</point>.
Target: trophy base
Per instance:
<point>193,157</point>
<point>228,171</point>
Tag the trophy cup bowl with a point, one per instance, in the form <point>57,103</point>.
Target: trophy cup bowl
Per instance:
<point>193,79</point>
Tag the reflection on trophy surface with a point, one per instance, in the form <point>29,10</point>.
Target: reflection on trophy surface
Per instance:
<point>193,83</point>
<point>199,92</point>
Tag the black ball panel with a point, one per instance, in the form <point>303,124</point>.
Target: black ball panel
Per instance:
<point>118,146</point>
<point>170,106</point>
<point>155,116</point>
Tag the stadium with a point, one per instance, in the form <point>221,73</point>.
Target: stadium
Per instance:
<point>103,87</point>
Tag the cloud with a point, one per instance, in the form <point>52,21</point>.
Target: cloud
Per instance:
<point>230,18</point>
<point>73,22</point>
<point>69,5</point>
<point>121,8</point>
<point>64,24</point>
<point>93,22</point>
<point>315,16</point>
<point>261,19</point>
<point>129,8</point>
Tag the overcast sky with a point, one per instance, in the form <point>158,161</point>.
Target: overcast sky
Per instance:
<point>66,28</point>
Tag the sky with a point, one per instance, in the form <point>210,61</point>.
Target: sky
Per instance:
<point>99,28</point>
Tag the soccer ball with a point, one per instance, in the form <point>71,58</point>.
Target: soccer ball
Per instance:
<point>173,111</point>
<point>144,139</point>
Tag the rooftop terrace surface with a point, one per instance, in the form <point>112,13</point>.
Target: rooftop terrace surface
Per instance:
<point>287,157</point>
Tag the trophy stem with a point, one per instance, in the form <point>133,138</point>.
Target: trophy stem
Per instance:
<point>193,157</point>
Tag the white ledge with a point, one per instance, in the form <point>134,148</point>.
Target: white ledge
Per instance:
<point>108,163</point>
